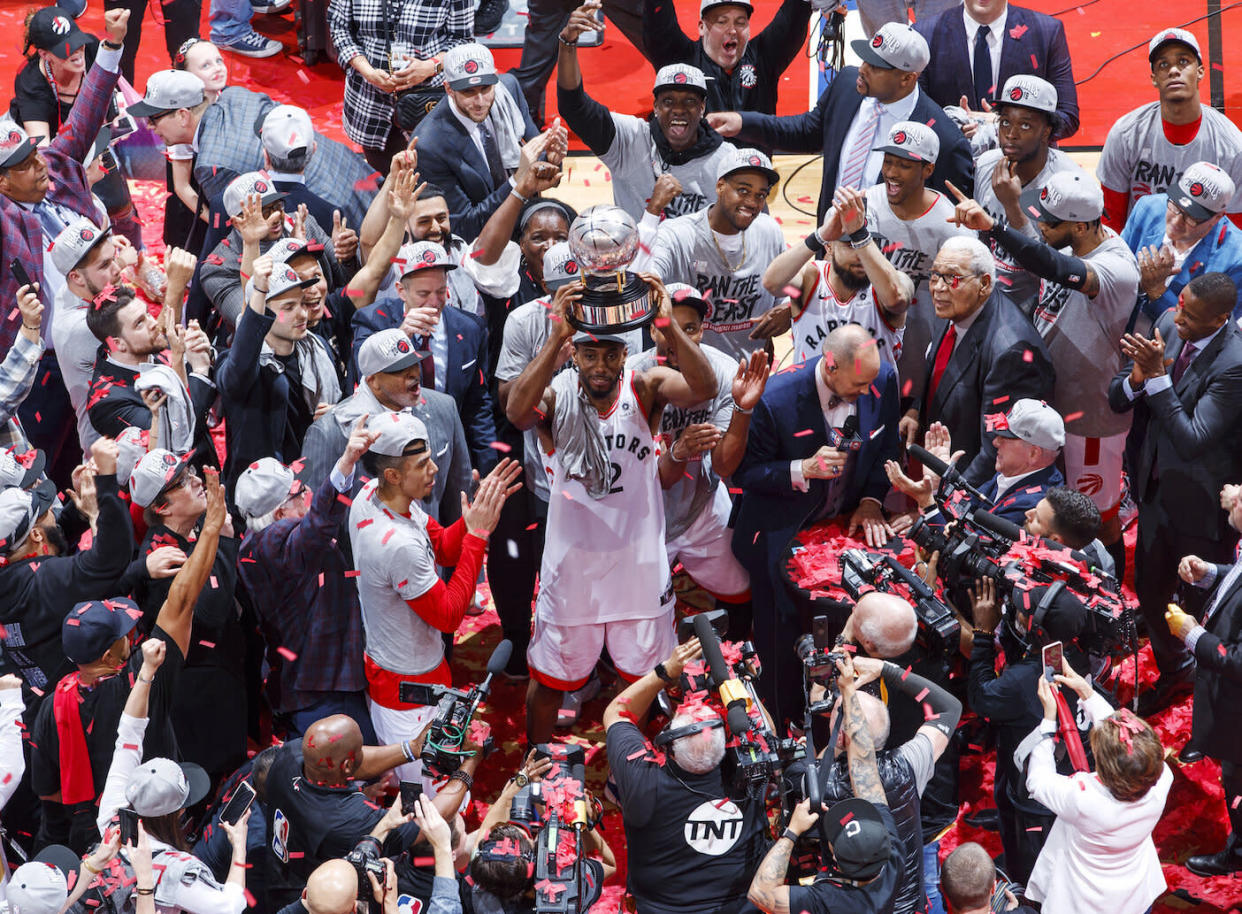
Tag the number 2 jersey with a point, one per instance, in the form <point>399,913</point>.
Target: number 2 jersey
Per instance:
<point>604,559</point>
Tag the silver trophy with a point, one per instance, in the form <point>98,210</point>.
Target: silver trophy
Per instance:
<point>604,240</point>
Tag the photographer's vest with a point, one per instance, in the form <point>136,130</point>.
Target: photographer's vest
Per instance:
<point>903,802</point>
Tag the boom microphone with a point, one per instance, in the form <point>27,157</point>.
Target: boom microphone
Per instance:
<point>500,658</point>
<point>732,692</point>
<point>944,471</point>
<point>710,642</point>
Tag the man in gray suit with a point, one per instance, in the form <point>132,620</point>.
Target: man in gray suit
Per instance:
<point>391,370</point>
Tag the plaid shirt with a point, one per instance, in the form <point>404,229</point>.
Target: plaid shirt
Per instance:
<point>420,28</point>
<point>296,576</point>
<point>17,377</point>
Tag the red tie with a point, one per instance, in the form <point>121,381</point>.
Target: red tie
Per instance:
<point>943,354</point>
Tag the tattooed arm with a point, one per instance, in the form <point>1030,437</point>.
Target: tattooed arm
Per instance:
<point>768,891</point>
<point>864,775</point>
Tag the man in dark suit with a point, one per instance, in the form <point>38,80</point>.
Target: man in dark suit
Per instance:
<point>856,112</point>
<point>1217,647</point>
<point>987,356</point>
<point>792,477</point>
<point>1185,444</point>
<point>469,144</point>
<point>456,341</point>
<point>41,192</point>
<point>976,47</point>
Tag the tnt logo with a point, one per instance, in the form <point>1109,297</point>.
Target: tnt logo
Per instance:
<point>900,137</point>
<point>471,66</point>
<point>714,827</point>
<point>679,78</point>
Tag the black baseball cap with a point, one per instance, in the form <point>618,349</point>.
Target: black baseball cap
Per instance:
<point>92,627</point>
<point>53,29</point>
<point>860,841</point>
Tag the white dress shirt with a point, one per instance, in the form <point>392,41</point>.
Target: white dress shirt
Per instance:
<point>834,417</point>
<point>890,114</point>
<point>996,35</point>
<point>1160,382</point>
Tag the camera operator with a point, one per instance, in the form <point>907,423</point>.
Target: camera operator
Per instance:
<point>1009,702</point>
<point>969,882</point>
<point>865,860</point>
<point>904,771</point>
<point>316,811</point>
<point>1028,441</point>
<point>690,843</point>
<point>334,887</point>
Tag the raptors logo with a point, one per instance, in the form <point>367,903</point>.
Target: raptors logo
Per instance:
<point>60,25</point>
<point>1089,483</point>
<point>170,460</point>
<point>571,267</point>
<point>87,234</point>
<point>747,76</point>
<point>679,78</point>
<point>429,257</point>
<point>13,138</point>
<point>471,66</point>
<point>755,160</point>
<point>1043,194</point>
<point>1196,189</point>
<point>877,41</point>
<point>899,137</point>
<point>260,187</point>
<point>1015,94</point>
<point>403,346</point>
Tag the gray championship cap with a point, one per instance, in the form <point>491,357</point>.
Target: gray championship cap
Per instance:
<point>422,255</point>
<point>747,160</point>
<point>159,786</point>
<point>469,65</point>
<point>156,471</point>
<point>287,130</point>
<point>19,510</point>
<point>267,484</point>
<point>894,46</point>
<point>397,431</point>
<point>37,888</point>
<point>1164,36</point>
<point>388,352</point>
<point>1068,196</point>
<point>1034,422</point>
<point>680,76</point>
<point>74,242</point>
<point>1029,92</point>
<point>131,445</point>
<point>912,140</point>
<point>1202,191</point>
<point>15,143</point>
<point>252,182</point>
<point>169,90</point>
<point>21,470</point>
<point>559,266</point>
<point>683,295</point>
<point>284,279</point>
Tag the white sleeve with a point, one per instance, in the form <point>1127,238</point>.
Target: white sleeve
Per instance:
<point>502,278</point>
<point>201,897</point>
<point>12,762</point>
<point>126,757</point>
<point>1053,790</point>
<point>648,232</point>
<point>109,58</point>
<point>1097,708</point>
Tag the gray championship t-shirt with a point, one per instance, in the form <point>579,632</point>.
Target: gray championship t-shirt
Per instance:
<point>685,501</point>
<point>911,246</point>
<point>1083,337</point>
<point>1017,284</point>
<point>687,250</point>
<point>636,163</point>
<point>526,330</point>
<point>1139,158</point>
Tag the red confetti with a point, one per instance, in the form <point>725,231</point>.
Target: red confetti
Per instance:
<point>287,654</point>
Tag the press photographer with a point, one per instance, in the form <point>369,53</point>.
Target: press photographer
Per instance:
<point>691,844</point>
<point>864,861</point>
<point>904,771</point>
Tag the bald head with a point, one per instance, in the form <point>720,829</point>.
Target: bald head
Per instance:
<point>884,625</point>
<point>851,361</point>
<point>332,888</point>
<point>331,749</point>
<point>876,715</point>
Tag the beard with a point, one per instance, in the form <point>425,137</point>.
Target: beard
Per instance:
<point>55,539</point>
<point>848,278</point>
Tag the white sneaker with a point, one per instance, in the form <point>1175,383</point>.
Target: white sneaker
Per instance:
<point>571,704</point>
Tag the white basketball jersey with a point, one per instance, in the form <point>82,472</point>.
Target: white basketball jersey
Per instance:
<point>824,313</point>
<point>604,559</point>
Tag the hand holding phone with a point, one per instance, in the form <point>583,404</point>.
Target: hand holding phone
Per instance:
<point>238,803</point>
<point>410,792</point>
<point>1052,659</point>
<point>129,826</point>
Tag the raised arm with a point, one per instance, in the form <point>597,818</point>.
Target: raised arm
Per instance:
<point>530,399</point>
<point>696,380</point>
<point>864,775</point>
<point>176,616</point>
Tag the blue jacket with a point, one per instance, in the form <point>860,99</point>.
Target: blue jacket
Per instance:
<point>1033,44</point>
<point>448,158</point>
<point>769,503</point>
<point>1013,503</point>
<point>1219,252</point>
<point>463,378</point>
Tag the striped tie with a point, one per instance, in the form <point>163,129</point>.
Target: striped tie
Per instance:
<point>852,173</point>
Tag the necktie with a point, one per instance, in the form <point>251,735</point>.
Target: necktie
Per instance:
<point>864,140</point>
<point>1183,361</point>
<point>491,152</point>
<point>984,83</point>
<point>428,364</point>
<point>943,354</point>
<point>50,218</point>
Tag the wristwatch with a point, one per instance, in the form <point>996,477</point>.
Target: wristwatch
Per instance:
<point>663,673</point>
<point>520,779</point>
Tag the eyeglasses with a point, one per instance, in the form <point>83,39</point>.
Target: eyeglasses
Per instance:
<point>1175,210</point>
<point>154,119</point>
<point>952,280</point>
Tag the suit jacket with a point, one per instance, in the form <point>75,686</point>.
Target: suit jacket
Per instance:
<point>1217,718</point>
<point>1190,432</point>
<point>1033,45</point>
<point>319,208</point>
<point>448,158</point>
<point>1000,360</point>
<point>770,510</point>
<point>21,233</point>
<point>1013,503</point>
<point>463,378</point>
<point>325,442</point>
<point>229,145</point>
<point>823,129</point>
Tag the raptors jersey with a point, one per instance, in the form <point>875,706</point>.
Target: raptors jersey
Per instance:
<point>824,313</point>
<point>604,560</point>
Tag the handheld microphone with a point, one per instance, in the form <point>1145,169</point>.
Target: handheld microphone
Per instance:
<point>846,438</point>
<point>944,471</point>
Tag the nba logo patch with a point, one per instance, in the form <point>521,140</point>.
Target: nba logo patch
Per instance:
<point>280,835</point>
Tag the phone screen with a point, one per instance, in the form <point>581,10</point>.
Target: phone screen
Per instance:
<point>1052,659</point>
<point>410,792</point>
<point>238,803</point>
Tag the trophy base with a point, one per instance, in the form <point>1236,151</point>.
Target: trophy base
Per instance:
<point>613,304</point>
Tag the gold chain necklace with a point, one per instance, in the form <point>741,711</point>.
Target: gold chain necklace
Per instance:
<point>720,251</point>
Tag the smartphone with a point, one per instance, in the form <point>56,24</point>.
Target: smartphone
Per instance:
<point>1052,659</point>
<point>822,634</point>
<point>238,803</point>
<point>410,792</point>
<point>129,826</point>
<point>19,273</point>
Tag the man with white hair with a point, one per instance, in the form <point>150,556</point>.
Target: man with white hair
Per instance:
<point>987,355</point>
<point>692,846</point>
<point>882,624</point>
